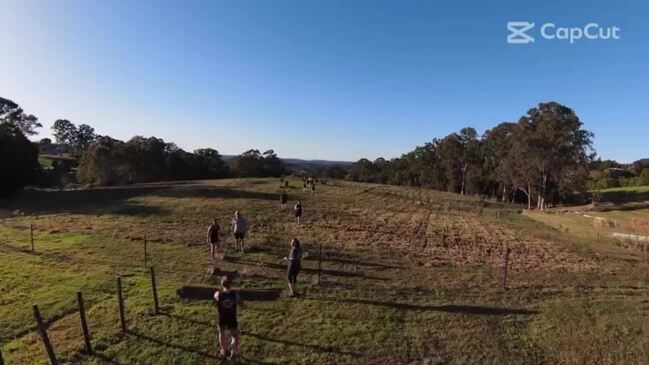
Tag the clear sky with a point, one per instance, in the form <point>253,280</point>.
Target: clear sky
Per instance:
<point>335,79</point>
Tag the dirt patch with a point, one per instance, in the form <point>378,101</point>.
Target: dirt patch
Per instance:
<point>599,222</point>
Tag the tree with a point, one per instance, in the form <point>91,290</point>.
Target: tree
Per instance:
<point>459,154</point>
<point>84,137</point>
<point>18,159</point>
<point>558,148</point>
<point>79,138</point>
<point>64,131</point>
<point>146,158</point>
<point>212,164</point>
<point>496,144</point>
<point>253,163</point>
<point>13,114</point>
<point>643,179</point>
<point>104,162</point>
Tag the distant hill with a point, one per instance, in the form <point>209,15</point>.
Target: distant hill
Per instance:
<point>299,164</point>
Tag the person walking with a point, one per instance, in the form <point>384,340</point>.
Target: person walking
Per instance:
<point>227,301</point>
<point>214,239</point>
<point>298,211</point>
<point>239,228</point>
<point>283,199</point>
<point>294,265</point>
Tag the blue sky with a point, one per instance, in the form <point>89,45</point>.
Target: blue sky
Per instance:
<point>322,79</point>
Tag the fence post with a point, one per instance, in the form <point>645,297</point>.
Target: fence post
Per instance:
<point>31,235</point>
<point>43,332</point>
<point>505,268</point>
<point>120,298</point>
<point>319,261</point>
<point>145,257</point>
<point>154,289</point>
<point>2,362</point>
<point>84,323</point>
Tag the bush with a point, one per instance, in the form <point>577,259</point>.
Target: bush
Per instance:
<point>18,160</point>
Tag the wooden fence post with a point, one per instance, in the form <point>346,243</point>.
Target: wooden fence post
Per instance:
<point>505,267</point>
<point>145,257</point>
<point>120,298</point>
<point>43,332</point>
<point>31,234</point>
<point>319,261</point>
<point>84,323</point>
<point>154,289</point>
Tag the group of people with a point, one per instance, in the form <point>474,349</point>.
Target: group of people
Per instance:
<point>239,228</point>
<point>311,181</point>
<point>229,299</point>
<point>297,209</point>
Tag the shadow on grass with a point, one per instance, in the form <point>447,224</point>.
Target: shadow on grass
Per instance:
<point>188,320</point>
<point>112,200</point>
<point>307,270</point>
<point>325,349</point>
<point>207,293</point>
<point>214,192</point>
<point>171,345</point>
<point>105,358</point>
<point>359,263</point>
<point>462,309</point>
<point>623,197</point>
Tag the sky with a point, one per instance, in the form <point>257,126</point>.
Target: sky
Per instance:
<point>335,79</point>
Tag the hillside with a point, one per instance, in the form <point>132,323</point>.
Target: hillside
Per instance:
<point>407,276</point>
<point>296,164</point>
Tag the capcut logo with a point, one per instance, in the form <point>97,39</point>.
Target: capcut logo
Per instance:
<point>519,32</point>
<point>518,35</point>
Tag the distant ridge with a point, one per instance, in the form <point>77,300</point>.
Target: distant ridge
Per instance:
<point>297,164</point>
<point>301,162</point>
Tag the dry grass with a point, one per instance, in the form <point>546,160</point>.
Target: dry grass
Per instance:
<point>409,275</point>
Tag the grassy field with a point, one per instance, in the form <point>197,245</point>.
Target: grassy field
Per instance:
<point>622,210</point>
<point>632,195</point>
<point>408,276</point>
<point>47,160</point>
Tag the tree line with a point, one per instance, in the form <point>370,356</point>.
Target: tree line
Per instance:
<point>612,174</point>
<point>103,160</point>
<point>541,159</point>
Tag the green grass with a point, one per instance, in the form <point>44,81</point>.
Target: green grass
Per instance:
<point>409,275</point>
<point>624,195</point>
<point>47,160</point>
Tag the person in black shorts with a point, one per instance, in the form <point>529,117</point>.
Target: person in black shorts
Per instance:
<point>283,199</point>
<point>298,211</point>
<point>214,239</point>
<point>227,301</point>
<point>239,228</point>
<point>294,265</point>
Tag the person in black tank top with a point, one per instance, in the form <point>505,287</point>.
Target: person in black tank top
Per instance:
<point>214,239</point>
<point>294,265</point>
<point>298,211</point>
<point>283,199</point>
<point>227,301</point>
